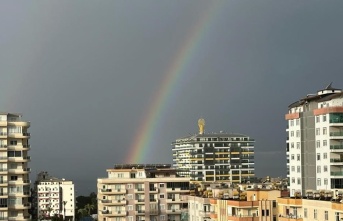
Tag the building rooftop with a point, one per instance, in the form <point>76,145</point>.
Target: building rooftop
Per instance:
<point>325,94</point>
<point>142,166</point>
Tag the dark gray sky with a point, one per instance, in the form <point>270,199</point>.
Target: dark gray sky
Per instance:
<point>86,72</point>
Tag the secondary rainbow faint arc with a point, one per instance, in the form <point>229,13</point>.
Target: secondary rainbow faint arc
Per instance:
<point>140,147</point>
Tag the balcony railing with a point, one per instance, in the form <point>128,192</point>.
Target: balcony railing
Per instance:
<point>335,134</point>
<point>106,190</point>
<point>336,147</point>
<point>3,133</point>
<point>337,173</point>
<point>106,201</point>
<point>336,160</point>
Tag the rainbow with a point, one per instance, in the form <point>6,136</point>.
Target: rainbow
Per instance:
<point>148,127</point>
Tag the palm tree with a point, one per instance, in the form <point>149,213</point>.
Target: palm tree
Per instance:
<point>89,208</point>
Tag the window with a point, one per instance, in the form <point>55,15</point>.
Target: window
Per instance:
<point>267,212</point>
<point>292,133</point>
<point>325,181</point>
<point>292,157</point>
<point>318,144</point>
<point>319,182</point>
<point>161,185</point>
<point>291,123</point>
<point>305,212</point>
<point>315,214</point>
<point>298,157</point>
<point>318,169</point>
<point>324,118</point>
<point>293,168</point>
<point>162,206</point>
<point>161,196</point>
<point>298,121</point>
<point>324,130</point>
<point>317,119</point>
<point>317,131</point>
<point>13,142</point>
<point>292,145</point>
<point>130,196</point>
<point>129,186</point>
<point>130,207</point>
<point>298,169</point>
<point>326,215</point>
<point>325,155</point>
<point>325,143</point>
<point>298,145</point>
<point>298,181</point>
<point>325,168</point>
<point>318,156</point>
<point>293,180</point>
<point>298,133</point>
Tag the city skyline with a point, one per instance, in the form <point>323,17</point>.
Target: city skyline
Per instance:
<point>102,81</point>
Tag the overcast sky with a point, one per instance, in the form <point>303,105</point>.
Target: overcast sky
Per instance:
<point>86,72</point>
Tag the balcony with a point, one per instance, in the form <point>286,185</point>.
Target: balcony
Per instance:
<point>153,190</point>
<point>174,200</point>
<point>336,148</point>
<point>290,218</point>
<point>139,190</point>
<point>173,211</point>
<point>339,173</point>
<point>203,213</point>
<point>336,161</point>
<point>3,134</point>
<point>178,190</point>
<point>106,190</point>
<point>140,201</point>
<point>336,135</point>
<point>105,212</point>
<point>243,218</point>
<point>19,135</point>
<point>106,201</point>
<point>140,212</point>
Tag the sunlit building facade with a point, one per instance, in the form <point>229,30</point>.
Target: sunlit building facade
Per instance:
<point>14,170</point>
<point>315,142</point>
<point>137,192</point>
<point>53,196</point>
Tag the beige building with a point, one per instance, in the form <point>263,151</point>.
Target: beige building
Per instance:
<point>14,170</point>
<point>135,192</point>
<point>316,205</point>
<point>231,204</point>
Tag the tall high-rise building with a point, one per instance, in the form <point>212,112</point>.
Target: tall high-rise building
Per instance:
<point>209,157</point>
<point>315,141</point>
<point>137,192</point>
<point>14,170</point>
<point>53,196</point>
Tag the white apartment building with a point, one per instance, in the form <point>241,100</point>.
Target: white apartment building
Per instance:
<point>137,192</point>
<point>53,196</point>
<point>315,141</point>
<point>210,157</point>
<point>14,171</point>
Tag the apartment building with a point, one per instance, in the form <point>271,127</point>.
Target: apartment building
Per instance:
<point>137,192</point>
<point>53,196</point>
<point>14,170</point>
<point>315,141</point>
<point>314,205</point>
<point>231,204</point>
<point>210,157</point>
